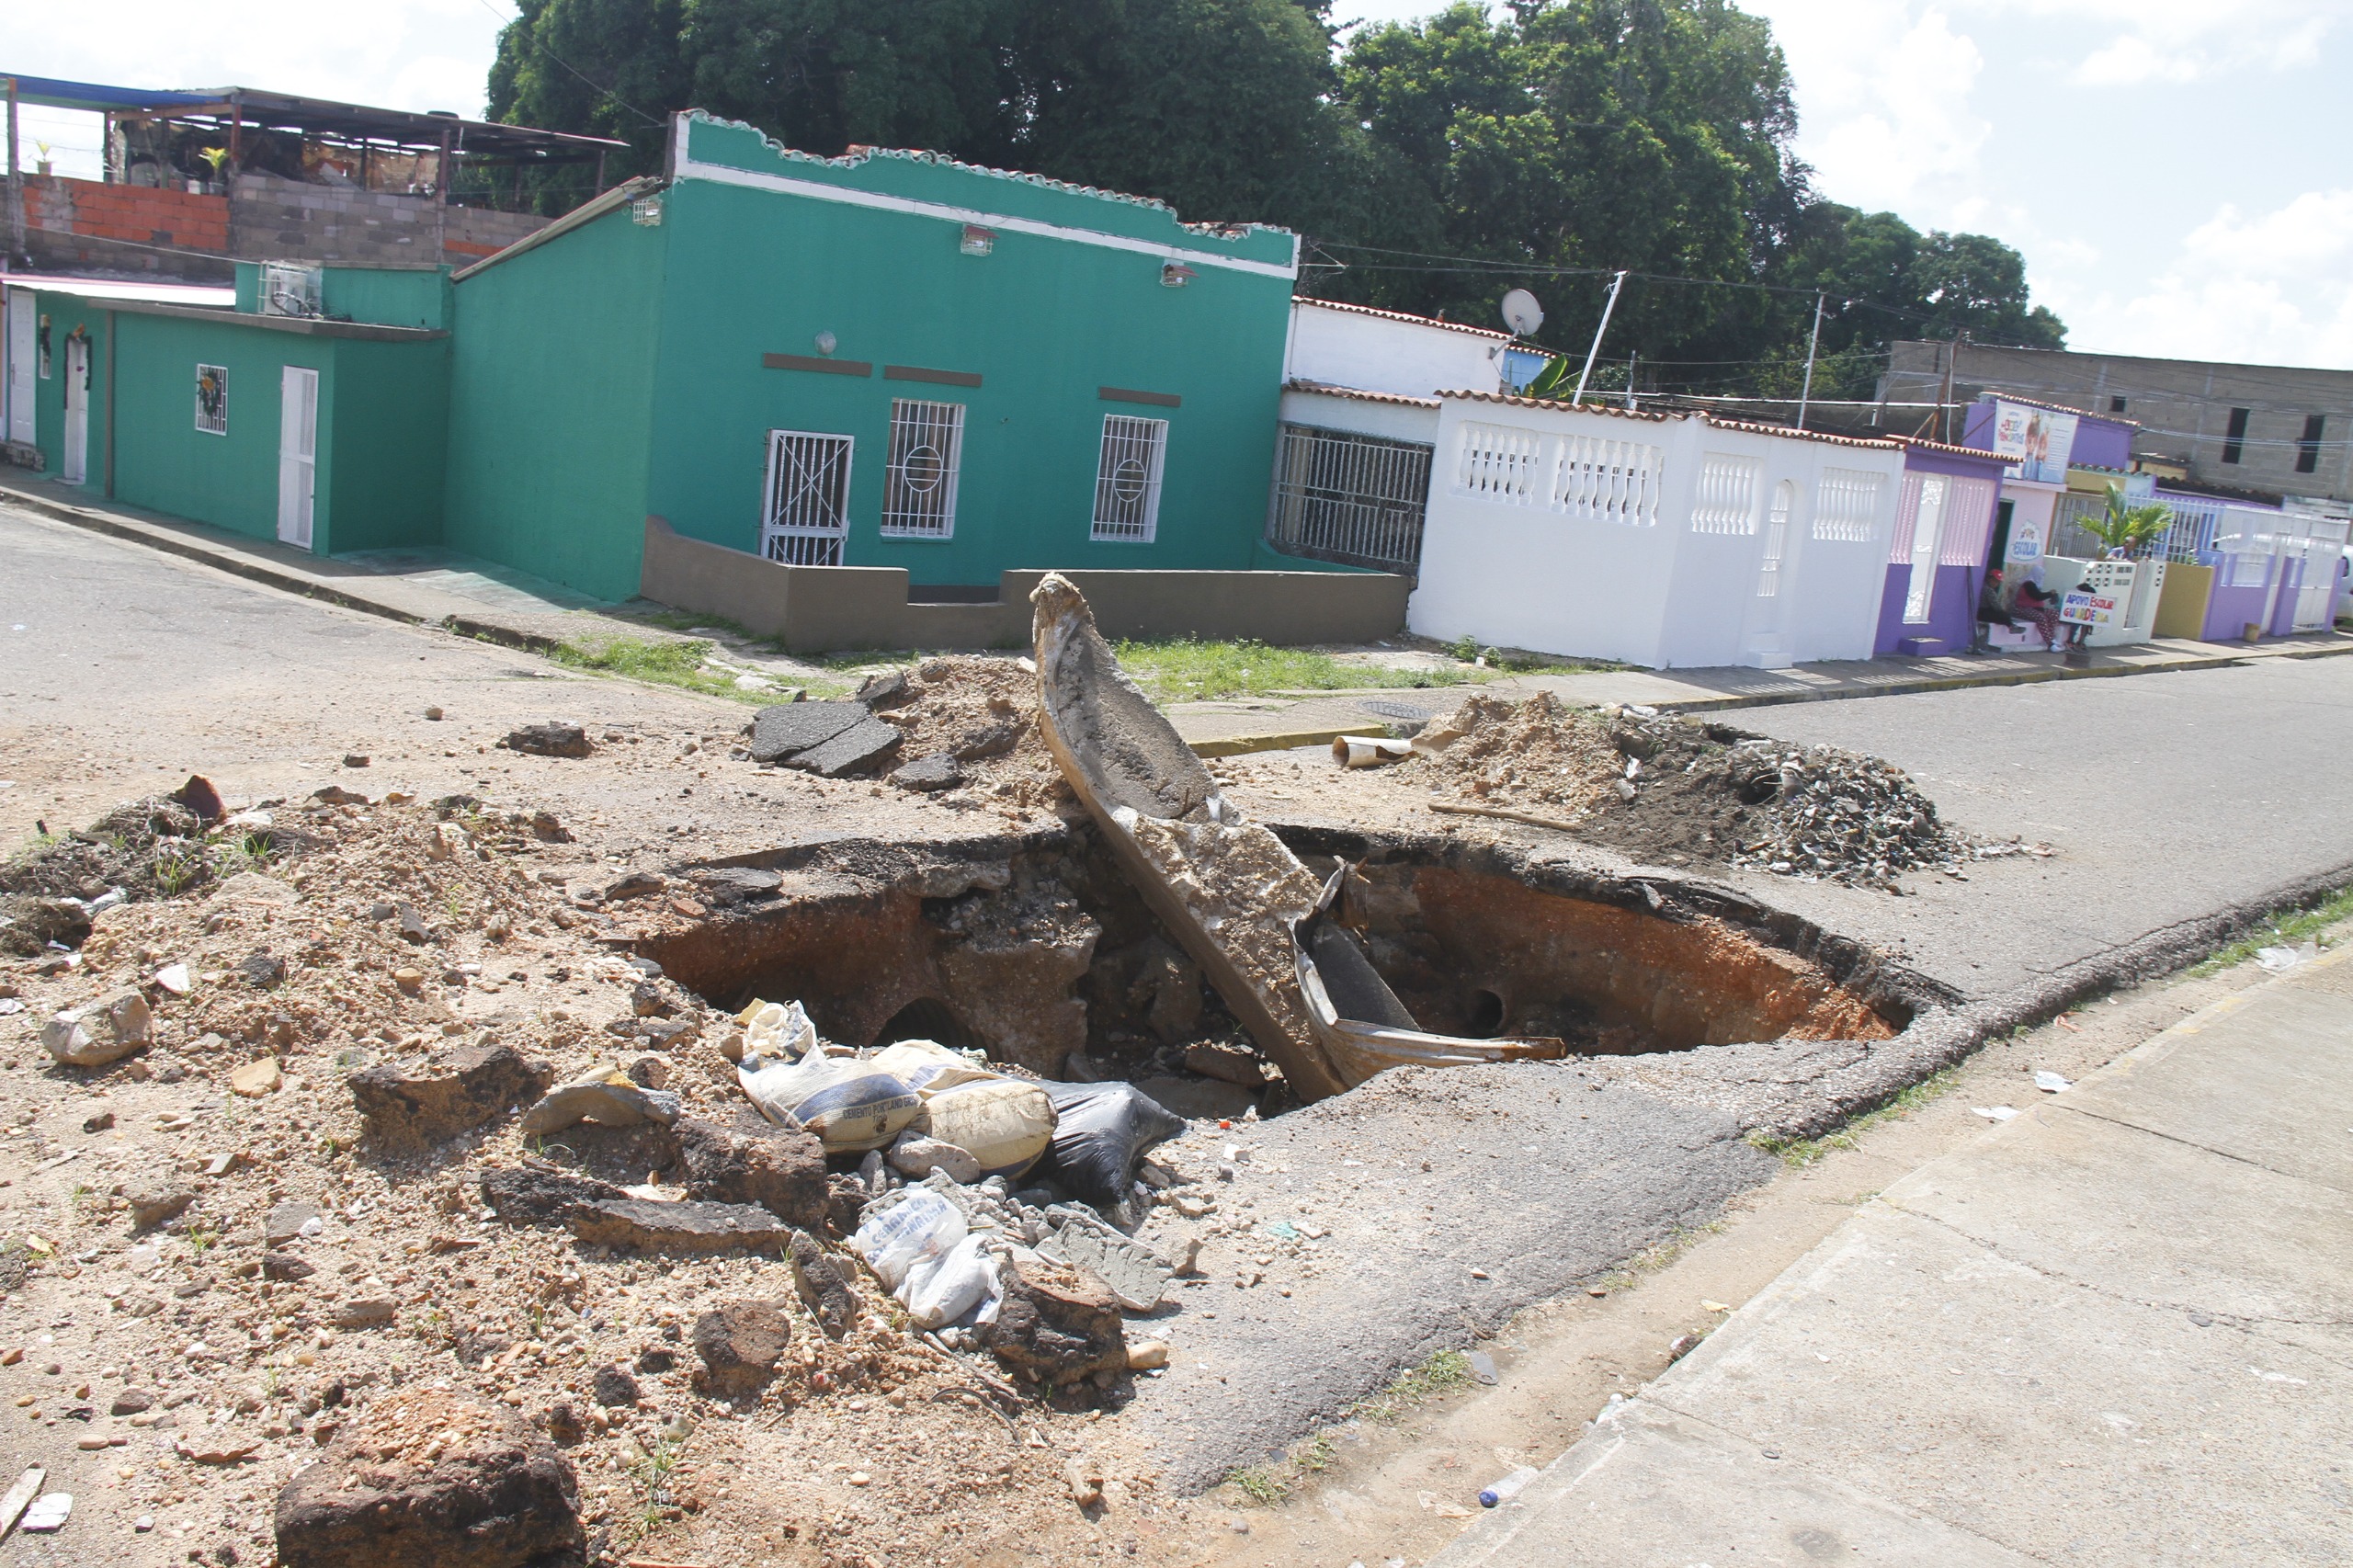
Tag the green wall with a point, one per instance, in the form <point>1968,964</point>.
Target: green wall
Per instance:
<point>390,419</point>
<point>64,312</point>
<point>1045,321</point>
<point>551,394</point>
<point>387,296</point>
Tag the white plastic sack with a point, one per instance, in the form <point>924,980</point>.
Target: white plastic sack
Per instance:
<point>927,1067</point>
<point>943,1288</point>
<point>920,1228</point>
<point>777,1030</point>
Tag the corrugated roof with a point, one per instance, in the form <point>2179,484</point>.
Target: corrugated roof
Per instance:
<point>2055,407</point>
<point>1400,315</point>
<point>1300,384</point>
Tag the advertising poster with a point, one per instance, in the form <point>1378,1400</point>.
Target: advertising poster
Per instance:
<point>2038,441</point>
<point>2087,609</point>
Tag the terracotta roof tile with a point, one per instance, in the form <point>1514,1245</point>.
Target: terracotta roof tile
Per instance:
<point>1300,384</point>
<point>1401,315</point>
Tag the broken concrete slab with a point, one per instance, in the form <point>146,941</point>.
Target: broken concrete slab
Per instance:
<point>688,1227</point>
<point>863,743</point>
<point>748,1159</point>
<point>602,1101</point>
<point>406,1109</point>
<point>1134,1274</point>
<point>789,729</point>
<point>1057,1324</point>
<point>534,1196</point>
<point>927,774</point>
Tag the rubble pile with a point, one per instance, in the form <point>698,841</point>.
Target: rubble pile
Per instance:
<point>969,723</point>
<point>380,1109</point>
<point>1677,790</point>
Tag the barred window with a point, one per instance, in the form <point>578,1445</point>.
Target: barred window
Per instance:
<point>1725,499</point>
<point>919,485</point>
<point>1845,506</point>
<point>1497,463</point>
<point>1127,478</point>
<point>1606,481</point>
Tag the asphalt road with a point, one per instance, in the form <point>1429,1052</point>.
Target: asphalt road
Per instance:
<point>2175,801</point>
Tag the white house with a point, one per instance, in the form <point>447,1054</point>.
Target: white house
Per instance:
<point>1660,539</point>
<point>1360,420</point>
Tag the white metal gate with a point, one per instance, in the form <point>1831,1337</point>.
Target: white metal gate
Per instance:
<point>919,482</point>
<point>77,411</point>
<point>22,350</point>
<point>298,453</point>
<point>807,511</point>
<point>1359,499</point>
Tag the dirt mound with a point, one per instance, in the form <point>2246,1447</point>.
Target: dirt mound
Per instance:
<point>1675,789</point>
<point>982,713</point>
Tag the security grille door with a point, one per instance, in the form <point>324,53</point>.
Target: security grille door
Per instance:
<point>1127,478</point>
<point>21,355</point>
<point>808,498</point>
<point>1354,498</point>
<point>926,451</point>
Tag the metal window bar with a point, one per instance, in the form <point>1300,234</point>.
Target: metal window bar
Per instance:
<point>1356,499</point>
<point>1127,479</point>
<point>919,482</point>
<point>807,510</point>
<point>1845,506</point>
<point>2188,537</point>
<point>1604,481</point>
<point>1725,499</point>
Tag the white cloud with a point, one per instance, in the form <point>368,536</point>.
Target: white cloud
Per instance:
<point>1883,94</point>
<point>2269,289</point>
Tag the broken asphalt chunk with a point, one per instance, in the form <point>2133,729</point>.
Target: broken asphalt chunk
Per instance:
<point>554,738</point>
<point>789,729</point>
<point>868,741</point>
<point>534,1196</point>
<point>688,1228</point>
<point>410,1108</point>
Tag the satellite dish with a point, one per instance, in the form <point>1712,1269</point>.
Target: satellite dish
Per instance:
<point>1522,313</point>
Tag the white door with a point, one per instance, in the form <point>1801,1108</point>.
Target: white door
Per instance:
<point>298,453</point>
<point>22,351</point>
<point>806,512</point>
<point>1766,607</point>
<point>1927,540</point>
<point>77,411</point>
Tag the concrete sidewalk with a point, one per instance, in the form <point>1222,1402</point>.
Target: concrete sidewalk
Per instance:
<point>2119,1330</point>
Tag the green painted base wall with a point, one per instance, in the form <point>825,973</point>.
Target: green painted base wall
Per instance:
<point>65,313</point>
<point>389,421</point>
<point>550,395</point>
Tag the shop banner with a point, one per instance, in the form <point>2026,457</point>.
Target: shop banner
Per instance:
<point>2037,441</point>
<point>2087,609</point>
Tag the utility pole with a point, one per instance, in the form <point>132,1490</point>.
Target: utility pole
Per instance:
<point>16,187</point>
<point>1805,393</point>
<point>1615,284</point>
<point>1944,399</point>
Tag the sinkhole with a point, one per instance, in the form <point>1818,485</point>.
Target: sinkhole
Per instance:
<point>1034,949</point>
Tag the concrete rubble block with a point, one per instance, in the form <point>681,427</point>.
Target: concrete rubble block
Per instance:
<point>157,1200</point>
<point>823,1285</point>
<point>289,1220</point>
<point>748,1159</point>
<point>535,1197</point>
<point>1222,1058</point>
<point>1057,1323</point>
<point>608,1098</point>
<point>1134,1274</point>
<point>917,1156</point>
<point>928,774</point>
<point>689,1228</point>
<point>866,743</point>
<point>256,1079</point>
<point>407,1107</point>
<point>789,729</point>
<point>726,885</point>
<point>740,1343</point>
<point>366,1311</point>
<point>423,1479</point>
<point>92,1037</point>
<point>552,738</point>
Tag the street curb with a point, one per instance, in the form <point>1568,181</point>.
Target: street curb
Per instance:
<point>1280,739</point>
<point>239,565</point>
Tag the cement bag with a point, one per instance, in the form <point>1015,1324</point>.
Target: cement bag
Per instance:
<point>843,1100</point>
<point>941,1289</point>
<point>920,1228</point>
<point>1101,1131</point>
<point>1004,1123</point>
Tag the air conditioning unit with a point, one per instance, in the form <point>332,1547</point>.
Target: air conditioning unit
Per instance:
<point>290,289</point>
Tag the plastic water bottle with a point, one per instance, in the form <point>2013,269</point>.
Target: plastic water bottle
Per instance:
<point>1507,1489</point>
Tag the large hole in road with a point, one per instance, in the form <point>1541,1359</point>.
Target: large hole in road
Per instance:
<point>1036,948</point>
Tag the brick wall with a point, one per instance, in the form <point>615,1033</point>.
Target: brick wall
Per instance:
<point>132,213</point>
<point>279,218</point>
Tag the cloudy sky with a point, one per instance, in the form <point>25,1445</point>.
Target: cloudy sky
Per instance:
<point>2169,167</point>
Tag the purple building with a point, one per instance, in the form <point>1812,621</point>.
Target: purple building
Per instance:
<point>1936,561</point>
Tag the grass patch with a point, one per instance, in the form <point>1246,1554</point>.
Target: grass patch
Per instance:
<point>1446,1372</point>
<point>1185,669</point>
<point>658,663</point>
<point>1272,1482</point>
<point>1800,1153</point>
<point>2286,929</point>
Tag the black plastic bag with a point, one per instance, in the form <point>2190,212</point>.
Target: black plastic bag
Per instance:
<point>1101,1132</point>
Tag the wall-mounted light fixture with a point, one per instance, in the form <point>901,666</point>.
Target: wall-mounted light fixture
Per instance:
<point>826,342</point>
<point>1174,275</point>
<point>977,241</point>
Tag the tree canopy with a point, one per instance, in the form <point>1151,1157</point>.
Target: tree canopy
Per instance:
<point>1432,165</point>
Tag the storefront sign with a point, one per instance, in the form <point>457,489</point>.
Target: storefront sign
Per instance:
<point>2087,609</point>
<point>2026,540</point>
<point>2037,441</point>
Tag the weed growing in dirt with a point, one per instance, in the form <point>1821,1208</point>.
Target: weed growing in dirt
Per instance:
<point>2286,930</point>
<point>1184,669</point>
<point>1800,1153</point>
<point>658,663</point>
<point>652,1476</point>
<point>248,852</point>
<point>1270,1483</point>
<point>1442,1373</point>
<point>180,864</point>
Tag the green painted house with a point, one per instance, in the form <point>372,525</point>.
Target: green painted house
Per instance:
<point>884,359</point>
<point>323,432</point>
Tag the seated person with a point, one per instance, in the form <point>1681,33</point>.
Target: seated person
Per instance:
<point>2042,605</point>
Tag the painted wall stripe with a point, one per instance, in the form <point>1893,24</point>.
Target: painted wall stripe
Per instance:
<point>944,378</point>
<point>694,169</point>
<point>823,367</point>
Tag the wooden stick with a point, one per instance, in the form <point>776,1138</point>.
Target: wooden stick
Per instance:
<point>19,1497</point>
<point>1530,817</point>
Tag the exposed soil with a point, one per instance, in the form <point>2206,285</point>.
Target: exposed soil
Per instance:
<point>982,712</point>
